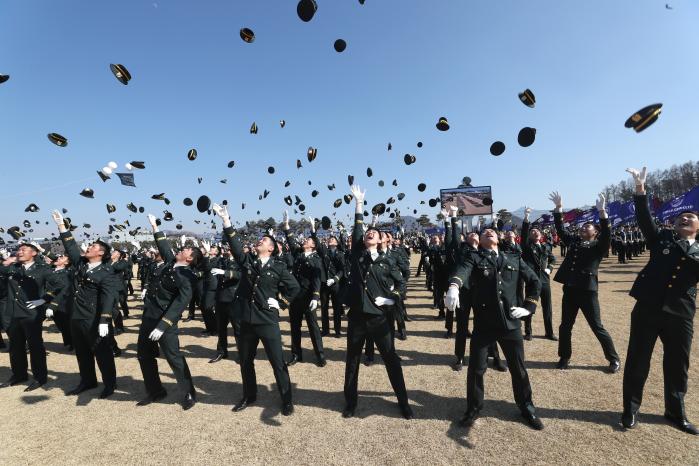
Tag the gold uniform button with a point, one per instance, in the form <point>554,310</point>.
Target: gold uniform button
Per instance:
<point>670,285</point>
<point>674,276</point>
<point>678,267</point>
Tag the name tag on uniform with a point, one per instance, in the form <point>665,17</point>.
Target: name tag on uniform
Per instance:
<point>666,251</point>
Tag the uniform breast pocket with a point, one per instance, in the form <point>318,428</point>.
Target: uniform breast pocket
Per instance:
<point>269,276</point>
<point>486,271</point>
<point>511,271</point>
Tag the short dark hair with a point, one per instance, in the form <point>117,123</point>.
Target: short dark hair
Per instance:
<point>275,251</point>
<point>106,250</point>
<point>196,257</point>
<point>29,245</point>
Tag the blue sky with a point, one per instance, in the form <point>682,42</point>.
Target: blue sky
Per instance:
<point>196,84</point>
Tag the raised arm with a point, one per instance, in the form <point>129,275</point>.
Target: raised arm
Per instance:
<point>161,241</point>
<point>605,236</point>
<point>640,199</point>
<point>524,233</point>
<point>69,244</point>
<point>358,231</point>
<point>229,234</point>
<point>558,218</point>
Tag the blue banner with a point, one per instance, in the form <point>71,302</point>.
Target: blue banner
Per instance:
<point>587,216</point>
<point>686,201</point>
<point>544,220</point>
<point>621,213</point>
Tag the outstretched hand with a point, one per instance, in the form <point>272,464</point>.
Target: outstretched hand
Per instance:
<point>556,199</point>
<point>358,193</point>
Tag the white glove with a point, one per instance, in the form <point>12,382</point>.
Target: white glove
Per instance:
<point>444,213</point>
<point>83,247</point>
<point>183,240</point>
<point>451,301</point>
<point>639,177</point>
<point>380,301</point>
<point>152,221</point>
<point>312,221</point>
<point>215,272</point>
<point>206,245</point>
<point>427,260</point>
<point>330,282</point>
<point>286,220</point>
<point>358,194</point>
<point>313,305</point>
<point>527,211</point>
<point>155,335</point>
<point>143,293</point>
<point>4,254</point>
<point>103,330</point>
<point>49,313</point>
<point>35,303</point>
<point>519,312</point>
<point>273,303</point>
<point>601,203</point>
<point>222,211</point>
<point>57,217</point>
<point>136,244</point>
<point>548,271</point>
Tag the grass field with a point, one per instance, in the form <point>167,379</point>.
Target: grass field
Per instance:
<point>580,407</point>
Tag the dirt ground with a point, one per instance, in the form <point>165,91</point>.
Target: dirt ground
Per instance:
<point>580,407</point>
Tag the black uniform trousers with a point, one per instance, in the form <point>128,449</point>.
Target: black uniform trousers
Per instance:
<point>675,332</point>
<point>22,332</point>
<point>297,312</point>
<point>223,317</point>
<point>621,254</point>
<point>147,351</point>
<point>588,302</point>
<point>546,310</point>
<point>123,303</point>
<point>379,329</point>
<point>208,306</point>
<point>463,312</point>
<point>271,337</point>
<point>90,347</point>
<point>513,347</point>
<point>61,318</point>
<point>330,294</point>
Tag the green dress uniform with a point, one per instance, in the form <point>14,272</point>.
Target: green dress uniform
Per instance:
<point>258,321</point>
<point>578,275</point>
<point>494,281</point>
<point>95,291</point>
<point>539,257</point>
<point>307,269</point>
<point>665,292</point>
<point>167,298</point>
<point>333,267</point>
<point>371,278</point>
<point>62,304</point>
<point>24,325</point>
<point>225,294</point>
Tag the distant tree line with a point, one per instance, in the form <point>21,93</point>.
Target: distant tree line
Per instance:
<point>663,184</point>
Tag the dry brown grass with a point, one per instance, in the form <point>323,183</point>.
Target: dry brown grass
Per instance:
<point>580,407</point>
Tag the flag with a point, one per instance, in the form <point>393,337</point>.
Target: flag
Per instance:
<point>686,201</point>
<point>126,179</point>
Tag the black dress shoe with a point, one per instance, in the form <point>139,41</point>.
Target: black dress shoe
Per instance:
<point>408,319</point>
<point>152,398</point>
<point>188,319</point>
<point>349,411</point>
<point>287,409</point>
<point>449,334</point>
<point>325,333</point>
<point>402,336</point>
<point>338,335</point>
<point>533,420</point>
<point>13,381</point>
<point>242,404</point>
<point>321,362</point>
<point>368,361</point>
<point>551,337</point>
<point>294,359</point>
<point>107,392</point>
<point>406,411</point>
<point>528,336</point>
<point>189,400</point>
<point>81,388</point>
<point>614,367</point>
<point>458,365</point>
<point>628,419</point>
<point>499,365</point>
<point>468,334</point>
<point>469,418</point>
<point>70,348</point>
<point>33,386</point>
<point>218,357</point>
<point>563,364</point>
<point>117,352</point>
<point>683,424</point>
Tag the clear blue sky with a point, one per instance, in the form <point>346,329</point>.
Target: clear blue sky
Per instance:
<point>197,84</point>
